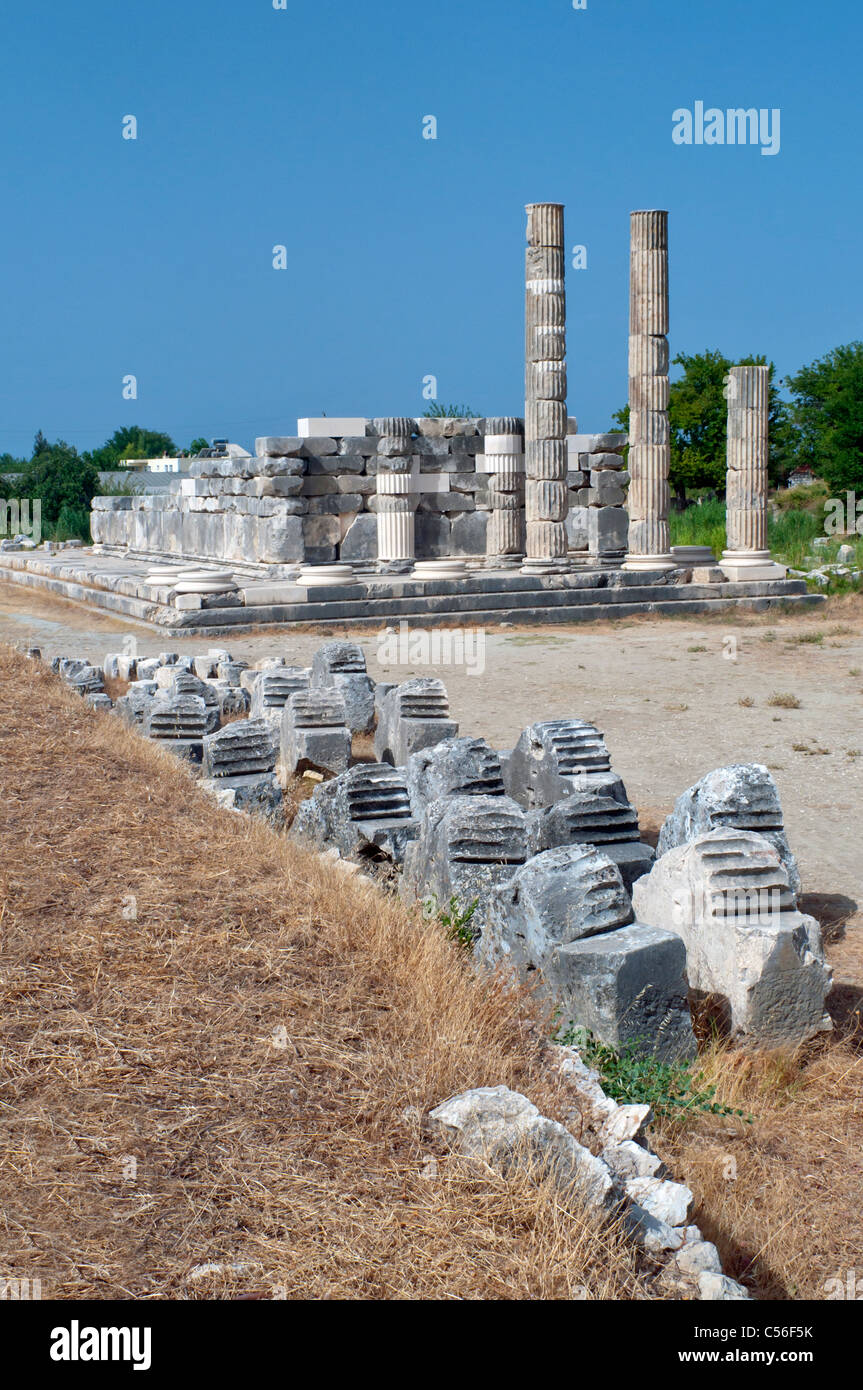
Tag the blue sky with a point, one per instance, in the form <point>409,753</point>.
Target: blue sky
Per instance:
<point>303,127</point>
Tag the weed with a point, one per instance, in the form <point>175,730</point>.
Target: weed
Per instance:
<point>631,1076</point>
<point>454,919</point>
<point>779,701</point>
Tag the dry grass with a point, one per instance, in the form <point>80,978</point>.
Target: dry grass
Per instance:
<point>781,1197</point>
<point>262,1040</point>
<point>780,701</point>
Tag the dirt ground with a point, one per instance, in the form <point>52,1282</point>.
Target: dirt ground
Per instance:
<point>674,697</point>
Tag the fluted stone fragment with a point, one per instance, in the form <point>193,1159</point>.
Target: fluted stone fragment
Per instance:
<point>649,438</point>
<point>545,391</point>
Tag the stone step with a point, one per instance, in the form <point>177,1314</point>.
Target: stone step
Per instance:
<point>513,599</point>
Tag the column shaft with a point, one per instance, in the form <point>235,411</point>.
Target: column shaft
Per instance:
<point>649,439</point>
<point>545,392</point>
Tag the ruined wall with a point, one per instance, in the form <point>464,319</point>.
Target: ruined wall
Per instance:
<point>315,500</point>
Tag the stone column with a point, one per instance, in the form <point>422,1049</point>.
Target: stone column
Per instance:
<point>546,497</point>
<point>649,439</point>
<point>747,556</point>
<point>396,506</point>
<point>504,462</point>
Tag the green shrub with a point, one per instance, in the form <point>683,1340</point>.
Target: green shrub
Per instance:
<point>632,1076</point>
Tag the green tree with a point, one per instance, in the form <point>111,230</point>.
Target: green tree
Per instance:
<point>64,482</point>
<point>197,445</point>
<point>698,420</point>
<point>132,442</point>
<point>10,464</point>
<point>827,408</point>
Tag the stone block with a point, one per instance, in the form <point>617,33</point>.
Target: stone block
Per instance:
<point>361,539</point>
<point>469,533</point>
<point>412,716</point>
<point>741,796</point>
<point>364,812</point>
<point>466,846</point>
<point>454,767</point>
<point>278,446</point>
<point>727,895</point>
<point>553,759</point>
<point>608,531</point>
<point>341,666</point>
<point>335,426</point>
<point>629,986</point>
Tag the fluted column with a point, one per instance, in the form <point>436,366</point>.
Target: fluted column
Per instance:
<point>746,480</point>
<point>649,438</point>
<point>546,496</point>
<point>396,506</point>
<point>504,462</point>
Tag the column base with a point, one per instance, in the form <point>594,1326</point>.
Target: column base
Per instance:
<point>503,562</point>
<point>740,566</point>
<point>651,562</point>
<point>440,569</point>
<point>693,555</point>
<point>312,575</point>
<point>545,567</point>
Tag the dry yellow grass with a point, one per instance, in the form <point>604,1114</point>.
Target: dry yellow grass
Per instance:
<point>781,1197</point>
<point>264,1040</point>
<point>239,1073</point>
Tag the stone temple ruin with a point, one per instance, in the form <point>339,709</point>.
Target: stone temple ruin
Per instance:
<point>540,841</point>
<point>502,518</point>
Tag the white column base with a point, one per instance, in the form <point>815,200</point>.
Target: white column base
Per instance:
<point>311,576</point>
<point>651,562</point>
<point>740,566</point>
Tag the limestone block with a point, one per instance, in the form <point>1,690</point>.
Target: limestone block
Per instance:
<point>608,530</point>
<point>432,536</point>
<point>555,758</point>
<point>742,796</point>
<point>318,446</point>
<point>591,818</point>
<point>243,748</point>
<point>629,986</point>
<point>361,539</point>
<point>466,845</point>
<point>412,716</point>
<point>365,812</point>
<point>728,897</point>
<point>314,733</point>
<point>559,896</point>
<point>469,533</point>
<point>454,767</point>
<point>341,666</point>
<point>507,1131</point>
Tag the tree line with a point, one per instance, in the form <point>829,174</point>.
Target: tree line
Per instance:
<point>821,426</point>
<point>66,481</point>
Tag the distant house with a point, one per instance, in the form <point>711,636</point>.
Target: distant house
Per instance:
<point>802,476</point>
<point>162,465</point>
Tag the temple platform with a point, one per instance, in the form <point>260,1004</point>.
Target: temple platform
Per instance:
<point>116,583</point>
